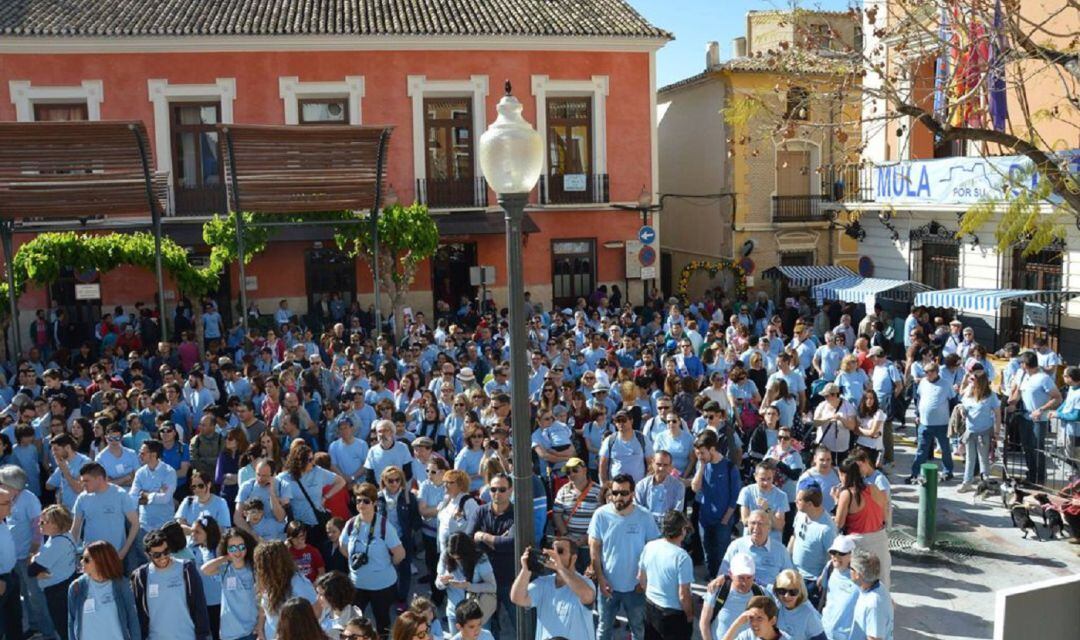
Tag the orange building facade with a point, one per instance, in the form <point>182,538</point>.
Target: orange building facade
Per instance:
<point>592,98</point>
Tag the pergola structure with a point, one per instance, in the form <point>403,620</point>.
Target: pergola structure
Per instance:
<point>297,169</point>
<point>75,171</point>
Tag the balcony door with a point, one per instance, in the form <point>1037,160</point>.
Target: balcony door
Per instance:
<point>569,127</point>
<point>198,177</point>
<point>573,270</point>
<point>794,201</point>
<point>448,134</point>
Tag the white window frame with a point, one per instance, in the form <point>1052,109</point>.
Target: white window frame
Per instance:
<point>292,91</point>
<point>24,95</point>
<point>419,87</point>
<point>543,87</point>
<point>162,94</point>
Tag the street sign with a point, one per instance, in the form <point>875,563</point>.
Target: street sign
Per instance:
<point>648,273</point>
<point>88,291</point>
<point>647,256</point>
<point>646,234</point>
<point>481,275</point>
<point>633,260</point>
<point>574,182</point>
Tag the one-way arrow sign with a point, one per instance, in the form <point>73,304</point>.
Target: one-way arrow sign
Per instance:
<point>646,234</point>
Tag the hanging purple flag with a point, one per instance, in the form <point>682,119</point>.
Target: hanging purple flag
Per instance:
<point>941,71</point>
<point>998,98</point>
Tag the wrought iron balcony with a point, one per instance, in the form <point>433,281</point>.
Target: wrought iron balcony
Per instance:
<point>452,193</point>
<point>578,188</point>
<point>798,209</point>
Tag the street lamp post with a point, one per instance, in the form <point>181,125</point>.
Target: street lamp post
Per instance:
<point>511,156</point>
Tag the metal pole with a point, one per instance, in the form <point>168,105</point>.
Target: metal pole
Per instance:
<point>155,221</point>
<point>927,525</point>
<point>375,269</point>
<point>13,301</point>
<point>514,205</point>
<point>240,269</point>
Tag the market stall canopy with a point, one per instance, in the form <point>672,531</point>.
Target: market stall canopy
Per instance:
<point>74,169</point>
<point>989,301</point>
<point>806,276</point>
<point>857,289</point>
<point>301,169</point>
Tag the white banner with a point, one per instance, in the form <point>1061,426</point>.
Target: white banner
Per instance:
<point>955,180</point>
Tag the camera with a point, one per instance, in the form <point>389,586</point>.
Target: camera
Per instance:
<point>357,561</point>
<point>536,560</point>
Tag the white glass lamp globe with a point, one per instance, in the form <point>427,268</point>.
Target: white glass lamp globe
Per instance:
<point>511,151</point>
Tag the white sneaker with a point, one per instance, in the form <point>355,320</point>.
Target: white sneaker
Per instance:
<point>967,487</point>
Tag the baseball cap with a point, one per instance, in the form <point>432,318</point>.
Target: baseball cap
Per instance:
<point>841,544</point>
<point>424,441</point>
<point>743,565</point>
<point>877,352</point>
<point>573,463</point>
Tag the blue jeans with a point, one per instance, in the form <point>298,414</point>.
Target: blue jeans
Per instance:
<point>715,539</point>
<point>35,610</point>
<point>1033,442</point>
<point>925,447</point>
<point>633,605</point>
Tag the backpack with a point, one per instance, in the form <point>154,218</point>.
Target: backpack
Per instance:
<point>640,439</point>
<point>722,597</point>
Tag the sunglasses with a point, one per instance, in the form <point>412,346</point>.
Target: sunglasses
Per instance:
<point>364,501</point>
<point>784,438</point>
<point>157,554</point>
<point>198,486</point>
<point>620,493</point>
<point>834,552</point>
<point>85,560</point>
<point>498,489</point>
<point>676,421</point>
<point>393,481</point>
<point>233,548</point>
<point>785,592</point>
<point>113,438</point>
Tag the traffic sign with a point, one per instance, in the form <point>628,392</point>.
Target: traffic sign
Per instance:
<point>647,256</point>
<point>646,234</point>
<point>648,273</point>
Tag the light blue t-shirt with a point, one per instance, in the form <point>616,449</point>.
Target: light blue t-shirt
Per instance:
<point>801,622</point>
<point>733,606</point>
<point>7,550</point>
<point>1071,407</point>
<point>980,413</point>
<point>873,615</point>
<point>769,559</point>
<point>313,482</point>
<point>559,611</point>
<point>484,635</point>
<point>623,538</point>
<point>57,479</point>
<point>25,510</point>
<point>666,567</point>
<point>118,466</point>
<point>396,456</point>
<point>468,460</point>
<point>680,447</point>
<point>839,612</point>
<point>934,401</point>
<point>27,458</point>
<point>104,515</point>
<point>299,587</point>
<point>99,611</point>
<point>827,482</point>
<point>162,483</point>
<point>775,498</point>
<point>191,509</point>
<point>626,456</point>
<point>239,611</point>
<point>211,584</point>
<point>852,384</point>
<point>1035,391</point>
<point>268,527</point>
<point>379,572</point>
<point>166,599</point>
<point>812,541</point>
<point>348,458</point>
<point>482,573</point>
<point>59,557</point>
<point>829,358</point>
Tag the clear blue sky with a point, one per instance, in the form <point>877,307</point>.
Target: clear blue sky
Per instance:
<point>695,22</point>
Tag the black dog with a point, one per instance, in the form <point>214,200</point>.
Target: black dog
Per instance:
<point>1052,521</point>
<point>1021,519</point>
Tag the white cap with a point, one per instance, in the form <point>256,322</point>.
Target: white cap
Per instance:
<point>742,565</point>
<point>842,544</point>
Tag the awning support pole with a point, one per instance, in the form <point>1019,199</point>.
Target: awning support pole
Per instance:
<point>13,301</point>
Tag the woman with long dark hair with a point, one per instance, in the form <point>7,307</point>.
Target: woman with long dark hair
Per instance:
<point>306,485</point>
<point>205,540</point>
<point>297,621</point>
<point>463,569</point>
<point>871,425</point>
<point>860,514</point>
<point>232,567</point>
<point>227,470</point>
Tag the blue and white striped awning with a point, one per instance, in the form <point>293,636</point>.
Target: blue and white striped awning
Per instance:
<point>807,276</point>
<point>988,300</point>
<point>857,289</point>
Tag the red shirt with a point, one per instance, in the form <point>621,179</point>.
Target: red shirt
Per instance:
<point>338,506</point>
<point>308,560</point>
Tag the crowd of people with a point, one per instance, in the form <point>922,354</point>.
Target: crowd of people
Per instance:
<point>317,479</point>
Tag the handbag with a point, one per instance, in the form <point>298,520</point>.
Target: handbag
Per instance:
<point>487,600</point>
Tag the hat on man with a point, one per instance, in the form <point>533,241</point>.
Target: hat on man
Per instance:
<point>710,406</point>
<point>842,544</point>
<point>424,441</point>
<point>877,352</point>
<point>574,463</point>
<point>830,389</point>
<point>600,387</point>
<point>743,565</point>
<point>466,375</point>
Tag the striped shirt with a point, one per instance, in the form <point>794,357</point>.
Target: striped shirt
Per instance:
<point>565,500</point>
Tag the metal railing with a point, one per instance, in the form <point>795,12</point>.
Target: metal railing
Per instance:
<point>580,188</point>
<point>452,193</point>
<point>849,183</point>
<point>798,209</point>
